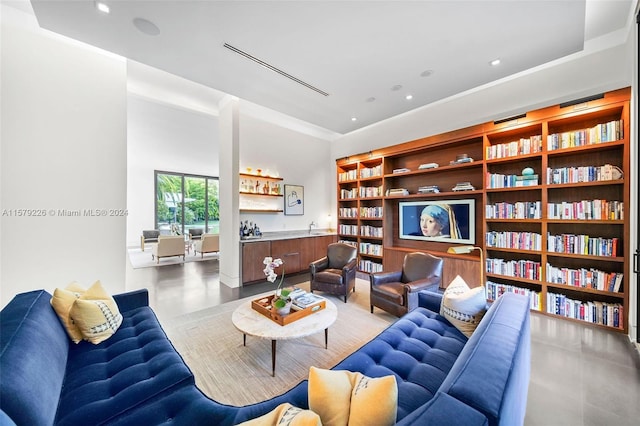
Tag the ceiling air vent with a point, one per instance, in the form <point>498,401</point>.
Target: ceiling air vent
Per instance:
<point>274,69</point>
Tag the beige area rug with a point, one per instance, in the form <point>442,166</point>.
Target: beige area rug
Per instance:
<point>231,373</point>
<point>142,259</point>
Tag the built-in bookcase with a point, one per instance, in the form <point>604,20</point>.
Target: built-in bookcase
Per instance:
<point>552,198</point>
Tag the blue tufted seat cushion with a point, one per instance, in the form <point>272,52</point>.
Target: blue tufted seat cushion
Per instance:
<point>106,380</point>
<point>419,349</point>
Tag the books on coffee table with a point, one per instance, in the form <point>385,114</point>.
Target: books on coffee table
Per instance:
<point>307,299</point>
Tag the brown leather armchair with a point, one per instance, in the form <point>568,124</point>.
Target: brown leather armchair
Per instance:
<point>397,292</point>
<point>336,272</point>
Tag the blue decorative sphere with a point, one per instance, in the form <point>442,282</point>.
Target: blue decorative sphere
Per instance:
<point>527,171</point>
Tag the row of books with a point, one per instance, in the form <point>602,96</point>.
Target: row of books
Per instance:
<point>369,266</point>
<point>604,132</point>
<point>579,174</point>
<point>370,191</point>
<point>348,175</point>
<point>518,210</point>
<point>371,172</point>
<point>348,212</point>
<point>585,278</point>
<point>375,212</point>
<point>586,210</point>
<point>369,248</point>
<point>344,229</point>
<point>495,290</point>
<point>351,243</point>
<point>514,268</point>
<point>514,240</point>
<point>499,180</point>
<point>582,244</point>
<point>609,314</point>
<point>523,146</point>
<point>346,194</point>
<point>371,231</point>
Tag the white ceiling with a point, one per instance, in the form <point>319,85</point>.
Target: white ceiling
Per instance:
<point>356,51</point>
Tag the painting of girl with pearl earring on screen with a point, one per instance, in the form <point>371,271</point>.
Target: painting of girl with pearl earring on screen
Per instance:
<point>451,221</point>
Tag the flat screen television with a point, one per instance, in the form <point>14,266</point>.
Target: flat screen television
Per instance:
<point>451,221</point>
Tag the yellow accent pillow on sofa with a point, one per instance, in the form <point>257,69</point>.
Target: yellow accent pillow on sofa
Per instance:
<point>96,314</point>
<point>348,398</point>
<point>286,415</point>
<point>462,306</point>
<point>61,302</point>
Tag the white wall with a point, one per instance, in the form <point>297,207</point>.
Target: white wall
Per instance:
<point>300,159</point>
<point>168,138</point>
<point>63,148</point>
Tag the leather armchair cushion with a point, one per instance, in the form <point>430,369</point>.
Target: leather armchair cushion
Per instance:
<point>330,276</point>
<point>393,292</point>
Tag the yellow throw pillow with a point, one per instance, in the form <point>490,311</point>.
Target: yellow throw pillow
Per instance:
<point>330,395</point>
<point>61,302</point>
<point>344,398</point>
<point>286,415</point>
<point>463,307</point>
<point>96,314</point>
<point>374,401</point>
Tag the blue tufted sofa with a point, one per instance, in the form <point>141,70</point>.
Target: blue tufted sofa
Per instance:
<point>137,378</point>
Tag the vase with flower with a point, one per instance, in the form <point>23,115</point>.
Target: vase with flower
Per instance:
<point>281,302</point>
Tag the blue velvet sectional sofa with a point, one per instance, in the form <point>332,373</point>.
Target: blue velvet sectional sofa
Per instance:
<point>137,378</point>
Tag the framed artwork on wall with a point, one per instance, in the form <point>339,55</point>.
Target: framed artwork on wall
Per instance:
<point>293,200</point>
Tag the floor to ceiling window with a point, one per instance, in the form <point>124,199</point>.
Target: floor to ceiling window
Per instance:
<point>185,201</point>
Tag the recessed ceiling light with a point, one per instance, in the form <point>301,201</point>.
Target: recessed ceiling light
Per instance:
<point>353,119</point>
<point>102,7</point>
<point>146,26</point>
<point>495,62</point>
<point>396,87</point>
<point>426,73</point>
<point>408,97</point>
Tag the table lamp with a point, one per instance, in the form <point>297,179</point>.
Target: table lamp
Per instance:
<point>469,249</point>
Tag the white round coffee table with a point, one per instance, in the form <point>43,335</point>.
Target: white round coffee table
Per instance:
<point>253,323</point>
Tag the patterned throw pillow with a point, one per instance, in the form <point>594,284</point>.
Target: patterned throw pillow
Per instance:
<point>349,398</point>
<point>96,314</point>
<point>286,415</point>
<point>61,302</point>
<point>463,307</point>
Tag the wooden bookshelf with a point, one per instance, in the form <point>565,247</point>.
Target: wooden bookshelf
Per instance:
<point>568,224</point>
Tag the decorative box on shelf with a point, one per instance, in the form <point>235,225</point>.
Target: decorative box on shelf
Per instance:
<point>263,306</point>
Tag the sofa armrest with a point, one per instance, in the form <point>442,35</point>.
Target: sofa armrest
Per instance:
<point>438,411</point>
<point>378,278</point>
<point>430,299</point>
<point>132,300</point>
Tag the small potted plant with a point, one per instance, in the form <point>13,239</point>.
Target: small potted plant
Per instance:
<point>281,301</point>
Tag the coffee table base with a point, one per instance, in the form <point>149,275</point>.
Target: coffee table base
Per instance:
<point>273,349</point>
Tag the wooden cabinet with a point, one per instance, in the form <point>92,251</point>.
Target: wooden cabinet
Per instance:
<point>253,254</point>
<point>261,193</point>
<point>289,252</point>
<point>550,189</point>
<point>296,254</point>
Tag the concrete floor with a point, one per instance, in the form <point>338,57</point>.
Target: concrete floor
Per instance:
<point>580,375</point>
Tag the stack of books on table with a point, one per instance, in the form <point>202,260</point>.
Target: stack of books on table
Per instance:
<point>307,299</point>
